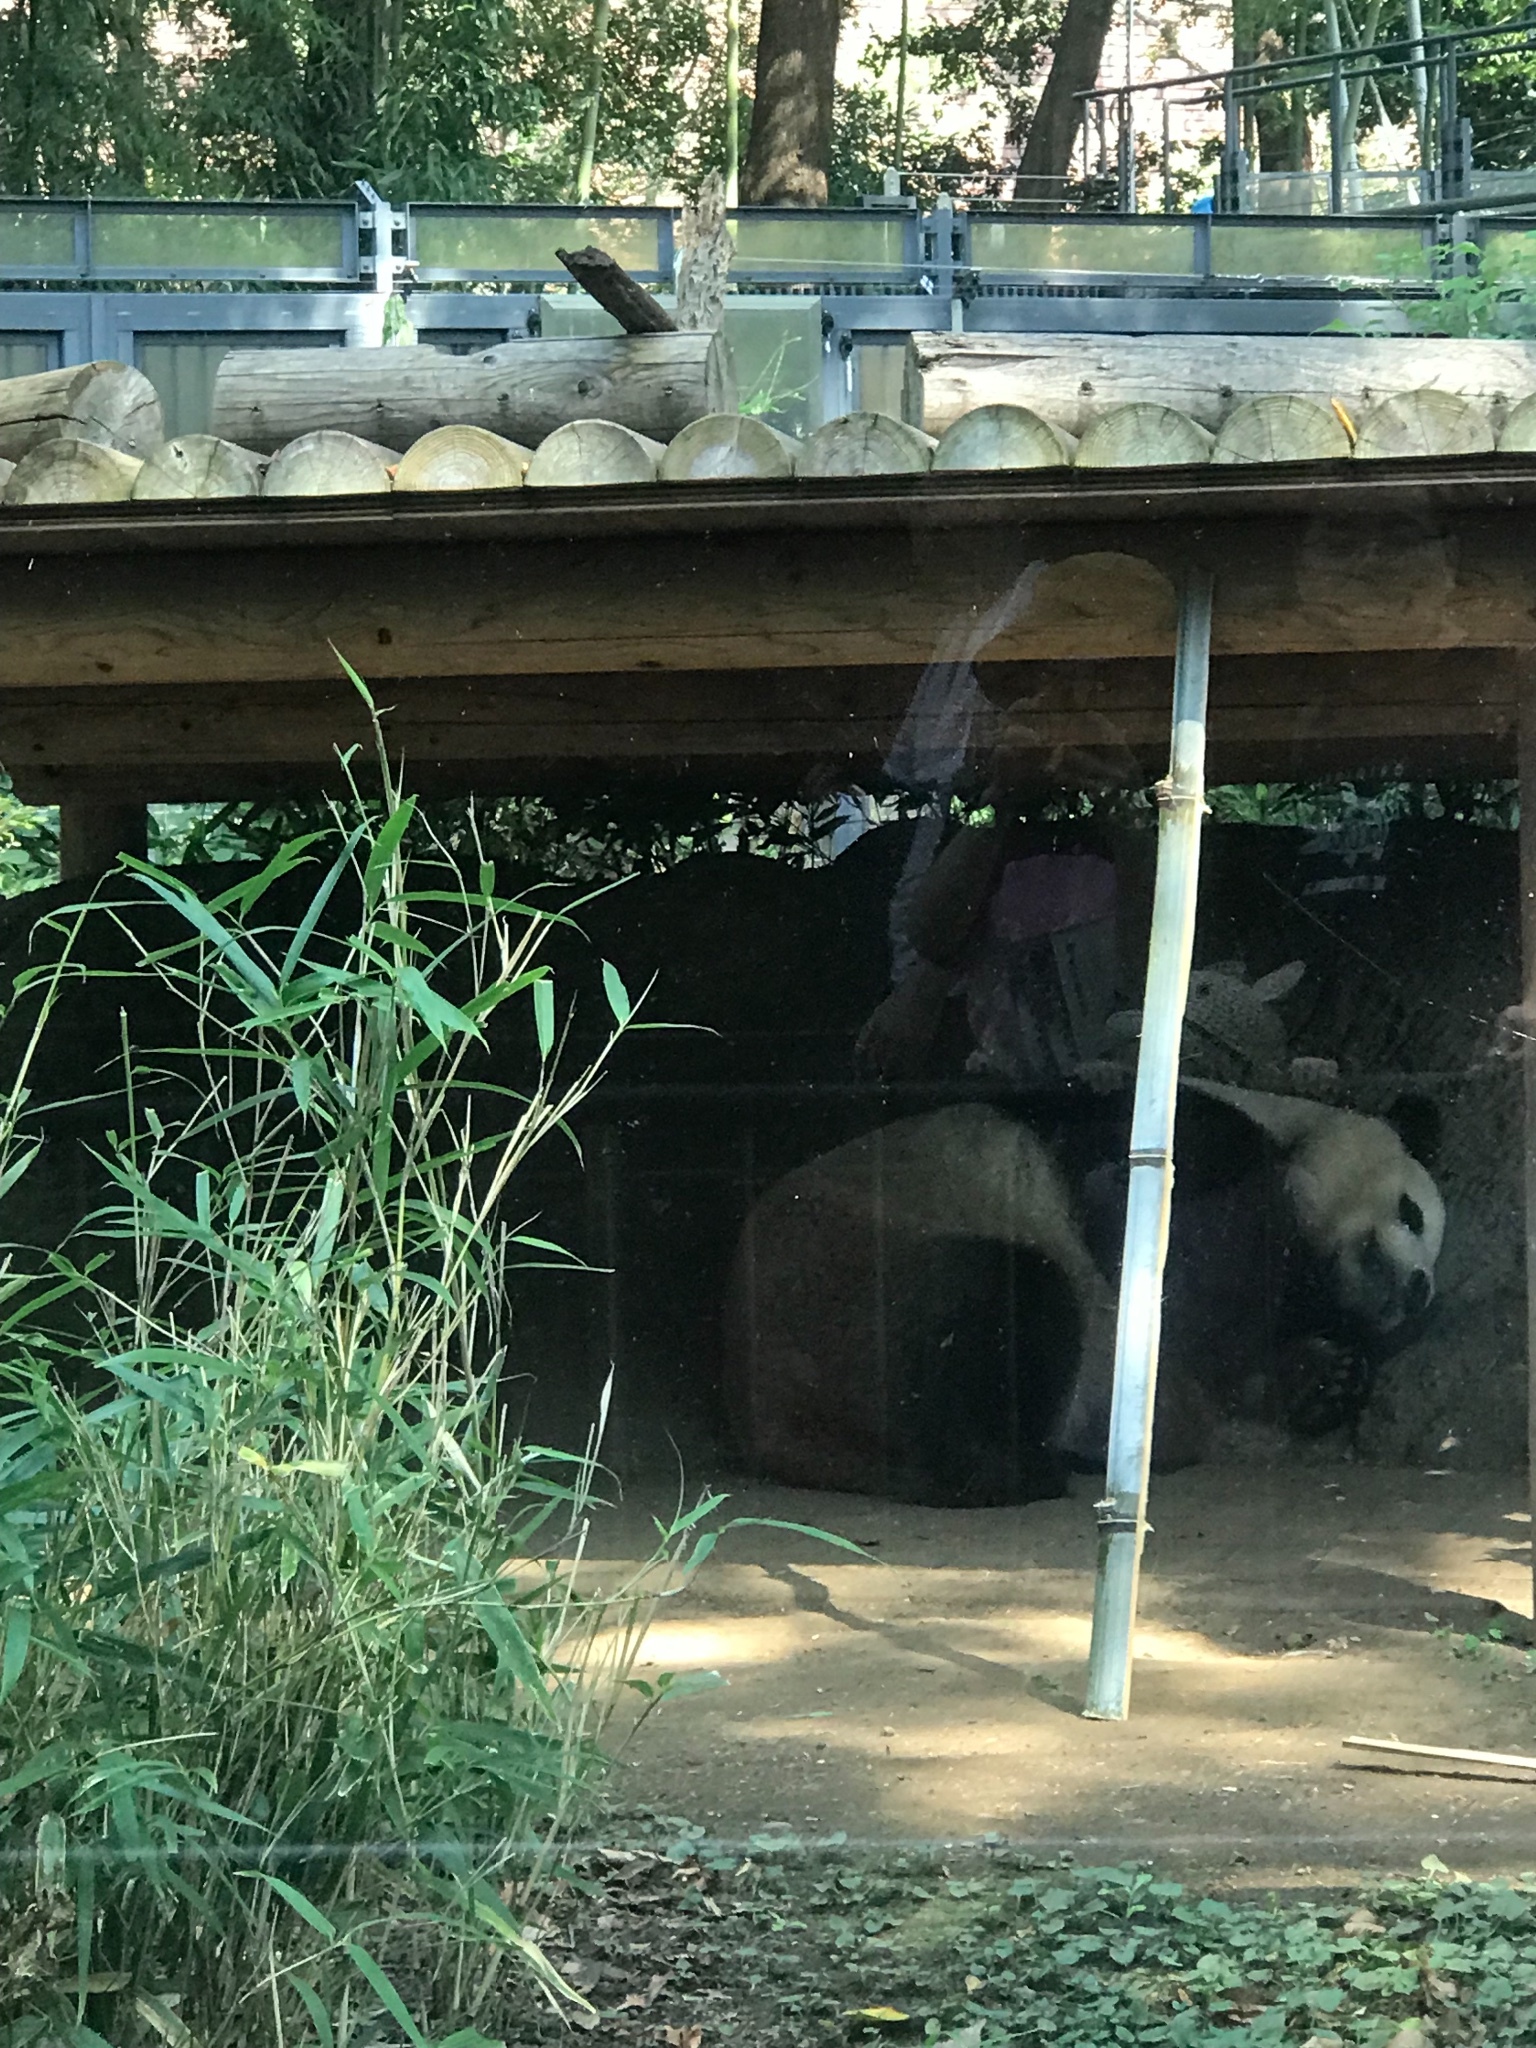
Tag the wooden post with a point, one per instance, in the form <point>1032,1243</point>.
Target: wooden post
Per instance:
<point>1528,1061</point>
<point>92,835</point>
<point>1123,1510</point>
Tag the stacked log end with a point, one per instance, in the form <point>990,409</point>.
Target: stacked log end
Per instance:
<point>328,463</point>
<point>68,472</point>
<point>200,466</point>
<point>867,444</point>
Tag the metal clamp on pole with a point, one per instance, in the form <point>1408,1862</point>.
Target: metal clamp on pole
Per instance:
<point>1148,1201</point>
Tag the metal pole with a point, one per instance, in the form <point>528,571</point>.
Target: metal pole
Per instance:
<point>1336,137</point>
<point>1123,1511</point>
<point>899,144</point>
<point>732,102</point>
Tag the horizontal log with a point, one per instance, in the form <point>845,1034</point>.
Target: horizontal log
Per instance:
<point>1069,378</point>
<point>200,466</point>
<point>462,459</point>
<point>327,464</point>
<point>108,403</point>
<point>181,739</point>
<point>1423,423</point>
<point>440,595</point>
<point>522,390</point>
<point>72,473</point>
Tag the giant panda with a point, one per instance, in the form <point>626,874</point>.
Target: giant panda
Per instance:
<point>927,1312</point>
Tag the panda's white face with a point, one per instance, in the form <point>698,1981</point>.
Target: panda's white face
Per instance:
<point>1365,1204</point>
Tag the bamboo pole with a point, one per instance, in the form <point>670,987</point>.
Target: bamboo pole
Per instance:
<point>594,102</point>
<point>1527,764</point>
<point>1123,1511</point>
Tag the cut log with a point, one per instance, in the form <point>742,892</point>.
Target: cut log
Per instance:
<point>72,473</point>
<point>329,465</point>
<point>103,402</point>
<point>1282,428</point>
<point>655,383</point>
<point>594,452</point>
<point>1423,423</point>
<point>1068,378</point>
<point>604,278</point>
<point>1144,436</point>
<point>1003,437</point>
<point>200,466</point>
<point>7,471</point>
<point>462,459</point>
<point>1519,435</point>
<point>866,444</point>
<point>725,444</point>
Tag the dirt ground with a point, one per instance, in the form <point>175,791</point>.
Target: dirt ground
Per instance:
<point>931,1695</point>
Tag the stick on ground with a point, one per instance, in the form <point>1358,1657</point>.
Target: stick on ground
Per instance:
<point>1452,1756</point>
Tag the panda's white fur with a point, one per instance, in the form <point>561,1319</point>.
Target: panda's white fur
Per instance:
<point>1360,1198</point>
<point>1361,1205</point>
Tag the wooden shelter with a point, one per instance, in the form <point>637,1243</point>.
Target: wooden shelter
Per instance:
<point>1375,617</point>
<point>1366,617</point>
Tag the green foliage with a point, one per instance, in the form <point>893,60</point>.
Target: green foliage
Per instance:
<point>297,1683</point>
<point>1489,295</point>
<point>434,99</point>
<point>779,1940</point>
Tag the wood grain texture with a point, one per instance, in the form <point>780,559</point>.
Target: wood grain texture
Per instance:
<point>67,472</point>
<point>200,466</point>
<point>109,403</point>
<point>523,391</point>
<point>1068,378</point>
<point>179,741</point>
<point>1283,428</point>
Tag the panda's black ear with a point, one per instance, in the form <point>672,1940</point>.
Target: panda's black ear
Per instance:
<point>1417,1121</point>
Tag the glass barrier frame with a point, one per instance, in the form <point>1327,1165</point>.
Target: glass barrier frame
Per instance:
<point>90,223</point>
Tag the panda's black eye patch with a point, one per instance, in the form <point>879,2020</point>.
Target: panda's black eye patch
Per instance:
<point>1409,1212</point>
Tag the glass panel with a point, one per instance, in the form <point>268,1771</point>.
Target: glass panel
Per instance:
<point>124,242</point>
<point>461,341</point>
<point>23,355</point>
<point>32,236</point>
<point>1156,246</point>
<point>182,368</point>
<point>799,239</point>
<point>775,345</point>
<point>524,245</point>
<point>1258,249</point>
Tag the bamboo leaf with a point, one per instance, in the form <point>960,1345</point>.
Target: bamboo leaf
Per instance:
<point>382,853</point>
<point>544,1015</point>
<point>18,1637</point>
<point>325,2033</point>
<point>292,1896</point>
<point>617,994</point>
<point>393,2002</point>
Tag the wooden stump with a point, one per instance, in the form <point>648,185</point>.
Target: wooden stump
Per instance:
<point>1519,435</point>
<point>200,466</point>
<point>1423,423</point>
<point>1282,428</point>
<point>1003,437</point>
<point>594,452</point>
<point>866,444</point>
<point>655,383</point>
<point>72,473</point>
<point>462,459</point>
<point>1144,436</point>
<point>329,464</point>
<point>103,402</point>
<point>725,444</point>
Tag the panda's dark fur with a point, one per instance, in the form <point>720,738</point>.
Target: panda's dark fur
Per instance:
<point>928,1311</point>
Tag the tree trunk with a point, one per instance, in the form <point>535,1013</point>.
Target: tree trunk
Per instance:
<point>790,146</point>
<point>655,383</point>
<point>1074,68</point>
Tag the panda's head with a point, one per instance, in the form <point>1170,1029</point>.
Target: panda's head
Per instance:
<point>1364,1206</point>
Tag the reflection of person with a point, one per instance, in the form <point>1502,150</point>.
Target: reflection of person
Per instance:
<point>1019,918</point>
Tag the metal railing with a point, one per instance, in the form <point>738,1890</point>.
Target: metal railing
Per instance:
<point>1331,83</point>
